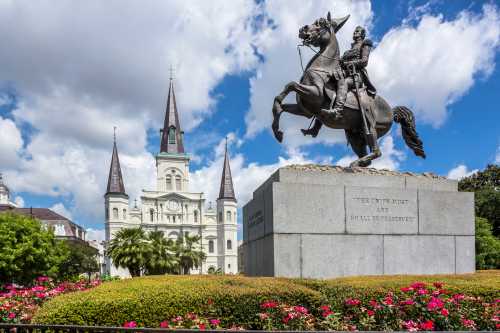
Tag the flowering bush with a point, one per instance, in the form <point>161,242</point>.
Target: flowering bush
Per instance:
<point>18,304</point>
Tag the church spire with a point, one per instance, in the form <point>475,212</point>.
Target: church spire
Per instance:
<point>171,134</point>
<point>226,184</point>
<point>115,179</point>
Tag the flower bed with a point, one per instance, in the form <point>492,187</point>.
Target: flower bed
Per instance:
<point>462,302</point>
<point>18,305</point>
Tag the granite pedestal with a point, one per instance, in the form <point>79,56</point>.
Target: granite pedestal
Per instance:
<point>322,222</point>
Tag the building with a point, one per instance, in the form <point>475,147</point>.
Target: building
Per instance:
<point>63,227</point>
<point>171,207</point>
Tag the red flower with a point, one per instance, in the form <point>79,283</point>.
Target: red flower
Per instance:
<point>373,303</point>
<point>445,312</point>
<point>422,291</point>
<point>406,289</point>
<point>388,300</point>
<point>371,313</point>
<point>130,324</point>
<point>353,302</point>
<point>469,323</point>
<point>407,302</point>
<point>11,315</point>
<point>417,285</point>
<point>325,308</point>
<point>458,297</point>
<point>326,313</point>
<point>300,309</point>
<point>269,305</point>
<point>164,324</point>
<point>427,325</point>
<point>201,326</point>
<point>438,285</point>
<point>435,303</point>
<point>214,322</point>
<point>210,301</point>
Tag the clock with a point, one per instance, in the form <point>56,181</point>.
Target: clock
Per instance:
<point>173,205</point>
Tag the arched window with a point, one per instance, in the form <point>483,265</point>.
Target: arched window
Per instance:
<point>169,182</point>
<point>115,213</point>
<point>173,218</point>
<point>195,216</point>
<point>161,212</point>
<point>106,212</point>
<point>151,214</point>
<point>220,217</point>
<point>210,246</point>
<point>171,135</point>
<point>228,216</point>
<point>124,214</point>
<point>229,244</point>
<point>178,183</point>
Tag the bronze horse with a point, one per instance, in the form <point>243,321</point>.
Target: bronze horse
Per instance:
<point>316,91</point>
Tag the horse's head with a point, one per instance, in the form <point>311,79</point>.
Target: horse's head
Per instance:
<point>320,32</point>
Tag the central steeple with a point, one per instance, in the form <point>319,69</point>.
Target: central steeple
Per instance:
<point>171,134</point>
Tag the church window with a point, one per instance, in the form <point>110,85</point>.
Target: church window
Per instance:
<point>115,213</point>
<point>178,183</point>
<point>228,216</point>
<point>229,244</point>
<point>195,216</point>
<point>169,183</point>
<point>173,217</point>
<point>211,246</point>
<point>171,135</point>
<point>106,212</point>
<point>220,217</point>
<point>151,214</point>
<point>229,266</point>
<point>124,214</point>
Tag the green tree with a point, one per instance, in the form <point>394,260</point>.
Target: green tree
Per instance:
<point>486,187</point>
<point>487,246</point>
<point>188,253</point>
<point>131,249</point>
<point>162,259</point>
<point>27,250</point>
<point>82,259</point>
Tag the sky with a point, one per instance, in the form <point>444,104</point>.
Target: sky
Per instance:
<point>72,70</point>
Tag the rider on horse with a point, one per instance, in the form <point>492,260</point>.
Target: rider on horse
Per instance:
<point>356,57</point>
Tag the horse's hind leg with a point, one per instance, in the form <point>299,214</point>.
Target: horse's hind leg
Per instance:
<point>366,160</point>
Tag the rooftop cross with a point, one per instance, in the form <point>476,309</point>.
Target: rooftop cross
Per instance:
<point>171,70</point>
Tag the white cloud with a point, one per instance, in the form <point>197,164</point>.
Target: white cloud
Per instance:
<point>4,99</point>
<point>95,234</point>
<point>391,157</point>
<point>497,157</point>
<point>281,65</point>
<point>432,65</point>
<point>19,201</point>
<point>60,209</point>
<point>11,143</point>
<point>460,172</point>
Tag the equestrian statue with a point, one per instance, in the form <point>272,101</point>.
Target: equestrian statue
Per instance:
<point>337,92</point>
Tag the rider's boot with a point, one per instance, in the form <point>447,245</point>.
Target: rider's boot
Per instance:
<point>336,112</point>
<point>313,131</point>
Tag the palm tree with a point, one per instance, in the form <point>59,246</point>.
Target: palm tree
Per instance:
<point>130,249</point>
<point>188,253</point>
<point>162,259</point>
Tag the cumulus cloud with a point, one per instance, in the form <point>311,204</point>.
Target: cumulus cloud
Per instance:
<point>19,201</point>
<point>461,171</point>
<point>95,234</point>
<point>281,64</point>
<point>431,65</point>
<point>60,209</point>
<point>391,157</point>
<point>11,143</point>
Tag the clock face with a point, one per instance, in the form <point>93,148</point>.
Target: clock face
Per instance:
<point>173,205</point>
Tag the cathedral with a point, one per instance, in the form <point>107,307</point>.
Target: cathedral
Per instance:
<point>171,207</point>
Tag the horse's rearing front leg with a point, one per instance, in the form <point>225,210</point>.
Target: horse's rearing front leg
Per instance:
<point>277,110</point>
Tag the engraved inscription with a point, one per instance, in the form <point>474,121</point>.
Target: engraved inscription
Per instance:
<point>381,211</point>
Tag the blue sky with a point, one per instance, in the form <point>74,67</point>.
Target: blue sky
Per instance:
<point>66,80</point>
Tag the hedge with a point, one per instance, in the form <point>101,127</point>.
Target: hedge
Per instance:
<point>234,299</point>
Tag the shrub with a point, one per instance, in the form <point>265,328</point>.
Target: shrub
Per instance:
<point>148,301</point>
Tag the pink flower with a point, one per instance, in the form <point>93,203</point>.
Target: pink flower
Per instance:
<point>388,300</point>
<point>410,325</point>
<point>435,303</point>
<point>269,305</point>
<point>406,289</point>
<point>407,302</point>
<point>42,278</point>
<point>469,323</point>
<point>41,295</point>
<point>130,324</point>
<point>353,302</point>
<point>445,312</point>
<point>214,322</point>
<point>417,285</point>
<point>370,313</point>
<point>38,288</point>
<point>422,291</point>
<point>263,316</point>
<point>373,303</point>
<point>458,297</point>
<point>300,309</point>
<point>427,325</point>
<point>11,315</point>
<point>325,308</point>
<point>201,326</point>
<point>164,324</point>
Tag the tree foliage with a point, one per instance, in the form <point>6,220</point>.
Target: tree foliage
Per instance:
<point>487,246</point>
<point>82,259</point>
<point>153,253</point>
<point>27,250</point>
<point>486,187</point>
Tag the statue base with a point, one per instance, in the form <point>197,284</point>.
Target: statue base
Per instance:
<point>312,221</point>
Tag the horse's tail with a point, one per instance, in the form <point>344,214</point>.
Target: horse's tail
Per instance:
<point>405,118</point>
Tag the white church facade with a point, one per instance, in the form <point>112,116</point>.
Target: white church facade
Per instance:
<point>171,207</point>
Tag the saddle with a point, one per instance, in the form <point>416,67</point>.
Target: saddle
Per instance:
<point>351,102</point>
